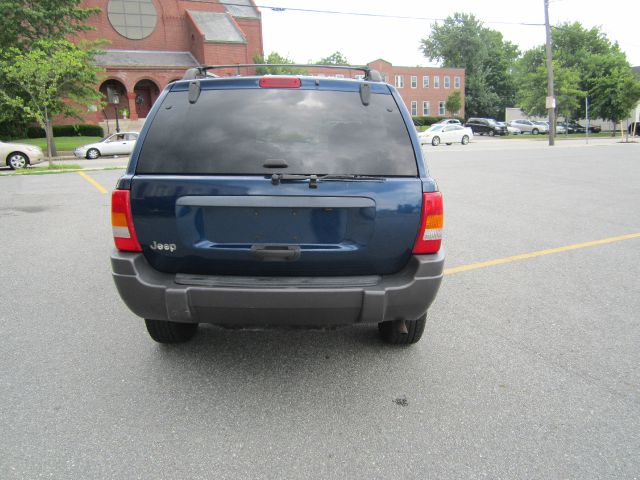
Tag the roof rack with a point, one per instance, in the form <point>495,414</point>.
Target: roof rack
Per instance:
<point>202,71</point>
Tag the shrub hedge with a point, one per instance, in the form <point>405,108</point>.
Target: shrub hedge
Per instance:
<point>427,121</point>
<point>68,131</point>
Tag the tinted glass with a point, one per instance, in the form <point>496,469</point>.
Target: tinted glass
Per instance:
<point>314,132</point>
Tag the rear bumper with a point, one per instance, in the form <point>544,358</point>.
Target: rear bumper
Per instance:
<point>311,301</point>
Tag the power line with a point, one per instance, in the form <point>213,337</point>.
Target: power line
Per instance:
<point>376,15</point>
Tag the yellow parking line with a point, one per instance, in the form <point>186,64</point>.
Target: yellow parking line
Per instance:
<point>539,253</point>
<point>100,188</point>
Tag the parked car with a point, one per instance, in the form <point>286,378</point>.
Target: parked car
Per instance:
<point>449,121</point>
<point>448,134</point>
<point>319,211</point>
<point>527,126</point>
<point>560,129</point>
<point>116,144</point>
<point>634,126</point>
<point>485,126</point>
<point>510,129</point>
<point>575,127</point>
<point>20,155</point>
<point>571,127</point>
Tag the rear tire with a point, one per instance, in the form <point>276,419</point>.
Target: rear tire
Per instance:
<point>390,331</point>
<point>436,141</point>
<point>93,153</point>
<point>534,131</point>
<point>163,331</point>
<point>491,133</point>
<point>465,140</point>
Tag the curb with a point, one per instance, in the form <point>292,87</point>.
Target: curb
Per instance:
<point>13,173</point>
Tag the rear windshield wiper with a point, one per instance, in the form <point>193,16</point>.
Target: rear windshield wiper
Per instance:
<point>276,178</point>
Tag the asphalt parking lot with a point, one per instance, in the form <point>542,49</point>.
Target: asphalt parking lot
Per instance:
<point>529,368</point>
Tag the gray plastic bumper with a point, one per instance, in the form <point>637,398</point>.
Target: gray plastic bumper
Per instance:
<point>312,301</point>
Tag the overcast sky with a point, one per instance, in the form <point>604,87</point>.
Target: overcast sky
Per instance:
<point>305,36</point>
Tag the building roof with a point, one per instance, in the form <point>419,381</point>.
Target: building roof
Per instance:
<point>217,27</point>
<point>241,8</point>
<point>145,58</point>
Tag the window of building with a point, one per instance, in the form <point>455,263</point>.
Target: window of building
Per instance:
<point>399,81</point>
<point>359,77</point>
<point>425,81</point>
<point>414,108</point>
<point>414,81</point>
<point>339,75</point>
<point>456,82</point>
<point>385,77</point>
<point>425,108</point>
<point>447,81</point>
<point>133,19</point>
<point>436,81</point>
<point>441,108</point>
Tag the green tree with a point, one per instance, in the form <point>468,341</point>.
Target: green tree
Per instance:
<point>454,102</point>
<point>336,58</point>
<point>585,63</point>
<point>615,95</point>
<point>462,41</point>
<point>23,22</point>
<point>53,77</point>
<point>277,59</point>
<point>531,76</point>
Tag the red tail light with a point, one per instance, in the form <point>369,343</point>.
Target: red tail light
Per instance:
<point>124,234</point>
<point>430,234</point>
<point>280,82</point>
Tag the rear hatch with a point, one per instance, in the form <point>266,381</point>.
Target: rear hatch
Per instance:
<point>257,181</point>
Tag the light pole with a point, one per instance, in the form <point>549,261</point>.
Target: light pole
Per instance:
<point>116,101</point>
<point>551,101</point>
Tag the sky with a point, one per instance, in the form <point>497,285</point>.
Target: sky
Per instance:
<point>307,37</point>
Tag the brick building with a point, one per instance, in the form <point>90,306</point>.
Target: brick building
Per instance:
<point>423,89</point>
<point>152,42</point>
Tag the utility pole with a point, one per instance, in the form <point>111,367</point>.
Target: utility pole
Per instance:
<point>551,100</point>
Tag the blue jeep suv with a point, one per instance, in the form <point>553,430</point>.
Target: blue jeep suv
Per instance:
<point>273,200</point>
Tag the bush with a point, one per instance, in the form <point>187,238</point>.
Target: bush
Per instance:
<point>428,121</point>
<point>67,131</point>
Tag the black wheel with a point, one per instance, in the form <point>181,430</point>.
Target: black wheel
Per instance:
<point>17,160</point>
<point>436,141</point>
<point>465,139</point>
<point>163,331</point>
<point>448,143</point>
<point>491,133</point>
<point>93,153</point>
<point>534,131</point>
<point>391,331</point>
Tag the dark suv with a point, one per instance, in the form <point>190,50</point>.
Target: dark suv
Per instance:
<point>486,126</point>
<point>278,200</point>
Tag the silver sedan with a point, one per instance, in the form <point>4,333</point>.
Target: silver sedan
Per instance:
<point>116,144</point>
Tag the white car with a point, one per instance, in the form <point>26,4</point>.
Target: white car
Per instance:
<point>116,144</point>
<point>19,155</point>
<point>527,126</point>
<point>510,129</point>
<point>448,134</point>
<point>449,121</point>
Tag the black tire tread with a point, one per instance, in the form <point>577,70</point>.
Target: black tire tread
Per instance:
<point>391,334</point>
<point>163,331</point>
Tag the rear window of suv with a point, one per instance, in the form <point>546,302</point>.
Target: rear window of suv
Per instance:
<point>314,132</point>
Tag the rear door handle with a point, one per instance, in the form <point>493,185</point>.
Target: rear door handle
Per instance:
<point>275,253</point>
